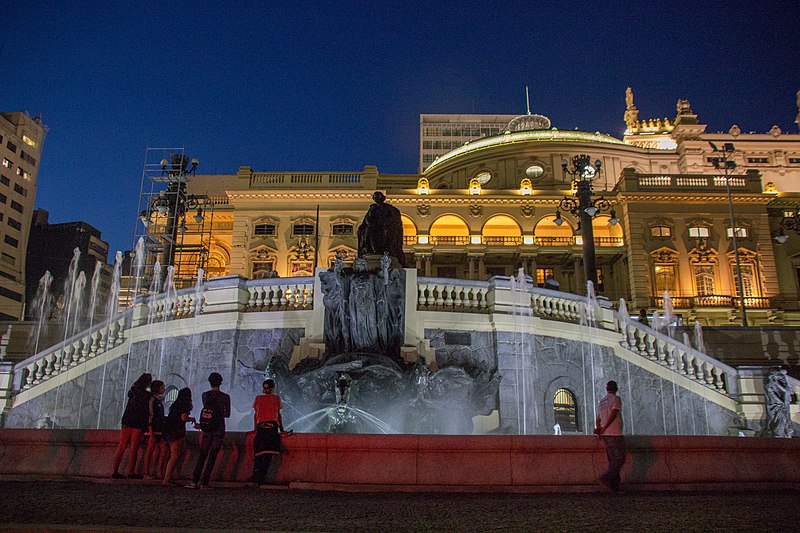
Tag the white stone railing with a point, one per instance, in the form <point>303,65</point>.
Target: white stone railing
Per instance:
<point>78,349</point>
<point>230,293</point>
<point>280,294</point>
<point>439,294</point>
<point>443,294</point>
<point>678,357</point>
<point>235,294</point>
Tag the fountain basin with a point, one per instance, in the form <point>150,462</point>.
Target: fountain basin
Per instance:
<point>440,463</point>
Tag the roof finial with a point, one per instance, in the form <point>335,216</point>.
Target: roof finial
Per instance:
<point>527,100</point>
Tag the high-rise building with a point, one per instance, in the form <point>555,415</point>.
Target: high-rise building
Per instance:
<point>21,139</point>
<point>438,134</point>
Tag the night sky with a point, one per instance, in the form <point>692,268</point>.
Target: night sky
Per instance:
<point>339,85</point>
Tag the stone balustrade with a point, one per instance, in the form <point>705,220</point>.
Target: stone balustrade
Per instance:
<point>442,294</point>
<point>678,357</point>
<point>234,294</point>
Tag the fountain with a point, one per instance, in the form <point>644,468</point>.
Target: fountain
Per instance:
<point>362,384</point>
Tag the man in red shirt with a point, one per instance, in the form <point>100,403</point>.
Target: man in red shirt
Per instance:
<point>268,426</point>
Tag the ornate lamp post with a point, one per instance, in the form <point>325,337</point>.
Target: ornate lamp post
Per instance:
<point>722,162</point>
<point>789,223</point>
<point>583,205</point>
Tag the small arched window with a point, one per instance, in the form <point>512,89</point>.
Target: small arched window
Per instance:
<point>565,410</point>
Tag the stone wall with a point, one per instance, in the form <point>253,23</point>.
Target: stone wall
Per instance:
<point>97,398</point>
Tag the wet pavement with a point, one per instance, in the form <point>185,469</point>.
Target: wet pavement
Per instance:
<point>37,505</point>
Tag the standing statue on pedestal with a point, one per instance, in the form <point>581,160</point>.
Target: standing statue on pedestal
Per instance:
<point>381,230</point>
<point>778,398</point>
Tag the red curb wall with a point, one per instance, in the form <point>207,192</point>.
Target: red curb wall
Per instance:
<point>458,461</point>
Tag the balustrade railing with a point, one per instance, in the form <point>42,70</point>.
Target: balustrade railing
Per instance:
<point>448,240</point>
<point>280,294</point>
<point>554,241</point>
<point>493,240</point>
<point>433,294</point>
<point>682,359</point>
<point>73,351</point>
<point>442,294</point>
<point>409,240</point>
<point>714,300</point>
<point>307,179</point>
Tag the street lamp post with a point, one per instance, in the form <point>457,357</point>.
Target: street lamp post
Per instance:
<point>585,207</point>
<point>727,165</point>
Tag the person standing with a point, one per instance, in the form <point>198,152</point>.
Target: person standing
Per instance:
<point>155,431</point>
<point>134,424</point>
<point>216,408</point>
<point>175,429</point>
<point>268,425</point>
<point>608,427</point>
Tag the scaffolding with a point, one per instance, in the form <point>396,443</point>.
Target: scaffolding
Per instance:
<point>173,225</point>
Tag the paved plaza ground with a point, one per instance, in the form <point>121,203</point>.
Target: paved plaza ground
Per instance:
<point>36,505</point>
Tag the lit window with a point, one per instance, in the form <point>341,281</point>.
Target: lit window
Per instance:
<point>740,232</point>
<point>664,278</point>
<point>794,160</point>
<point>264,229</point>
<point>263,269</point>
<point>704,279</point>
<point>28,140</point>
<point>565,410</point>
<point>342,229</point>
<point>7,163</point>
<point>542,274</point>
<point>303,229</point>
<point>301,268</point>
<point>661,231</point>
<point>748,280</point>
<point>698,232</point>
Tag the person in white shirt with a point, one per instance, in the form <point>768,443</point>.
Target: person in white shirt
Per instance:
<point>608,427</point>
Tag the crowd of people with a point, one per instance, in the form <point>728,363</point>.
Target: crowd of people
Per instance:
<point>144,417</point>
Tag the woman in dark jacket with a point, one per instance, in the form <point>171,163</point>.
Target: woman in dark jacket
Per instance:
<point>134,424</point>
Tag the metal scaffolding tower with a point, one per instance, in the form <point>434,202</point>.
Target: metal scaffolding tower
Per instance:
<point>174,226</point>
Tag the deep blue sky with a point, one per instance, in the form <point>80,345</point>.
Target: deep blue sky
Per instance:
<point>338,85</point>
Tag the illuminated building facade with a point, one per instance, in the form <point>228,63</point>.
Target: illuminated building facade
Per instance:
<point>489,207</point>
<point>21,140</point>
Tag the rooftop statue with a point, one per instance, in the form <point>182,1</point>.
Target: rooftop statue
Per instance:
<point>381,230</point>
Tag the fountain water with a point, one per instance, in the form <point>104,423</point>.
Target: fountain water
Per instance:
<point>170,301</point>
<point>590,313</point>
<point>670,319</point>
<point>139,258</point>
<point>525,358</point>
<point>98,266</point>
<point>69,289</point>
<point>699,345</point>
<point>42,304</point>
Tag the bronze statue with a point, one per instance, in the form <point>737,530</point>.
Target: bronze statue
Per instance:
<point>381,230</point>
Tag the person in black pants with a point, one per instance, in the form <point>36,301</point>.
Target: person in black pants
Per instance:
<point>216,408</point>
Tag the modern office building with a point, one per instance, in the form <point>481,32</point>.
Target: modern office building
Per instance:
<point>51,248</point>
<point>21,140</point>
<point>438,134</point>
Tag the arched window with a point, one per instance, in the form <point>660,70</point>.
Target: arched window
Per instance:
<point>565,410</point>
<point>449,230</point>
<point>550,231</point>
<point>409,231</point>
<point>502,230</point>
